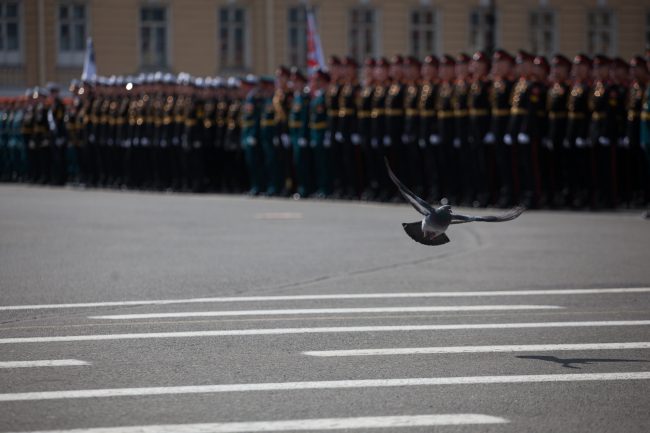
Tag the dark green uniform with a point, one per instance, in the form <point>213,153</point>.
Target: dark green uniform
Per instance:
<point>318,129</point>
<point>250,137</point>
<point>299,136</point>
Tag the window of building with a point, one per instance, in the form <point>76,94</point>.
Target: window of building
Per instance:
<point>424,33</point>
<point>153,37</point>
<point>232,35</point>
<point>297,37</point>
<point>10,37</point>
<point>72,33</point>
<point>363,33</point>
<point>601,32</point>
<point>542,32</point>
<point>482,29</point>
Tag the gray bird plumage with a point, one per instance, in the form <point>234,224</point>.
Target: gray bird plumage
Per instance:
<point>431,230</point>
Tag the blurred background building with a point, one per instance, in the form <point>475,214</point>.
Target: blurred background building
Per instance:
<point>44,40</point>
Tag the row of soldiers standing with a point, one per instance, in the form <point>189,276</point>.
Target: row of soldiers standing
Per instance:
<point>474,130</point>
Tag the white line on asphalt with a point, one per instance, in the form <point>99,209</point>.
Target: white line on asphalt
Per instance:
<point>296,312</point>
<point>314,385</point>
<point>302,424</point>
<point>321,330</point>
<point>478,349</point>
<point>43,363</point>
<point>341,296</point>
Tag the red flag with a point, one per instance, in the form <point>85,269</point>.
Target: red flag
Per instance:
<point>315,57</point>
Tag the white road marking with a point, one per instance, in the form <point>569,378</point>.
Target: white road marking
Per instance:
<point>315,385</point>
<point>341,296</point>
<point>301,424</point>
<point>320,330</point>
<point>478,349</point>
<point>295,312</point>
<point>43,363</point>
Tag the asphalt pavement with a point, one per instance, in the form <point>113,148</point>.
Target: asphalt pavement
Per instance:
<point>124,312</point>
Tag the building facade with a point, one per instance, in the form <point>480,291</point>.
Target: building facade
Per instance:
<point>44,40</point>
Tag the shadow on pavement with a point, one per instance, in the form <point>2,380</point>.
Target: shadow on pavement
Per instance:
<point>567,362</point>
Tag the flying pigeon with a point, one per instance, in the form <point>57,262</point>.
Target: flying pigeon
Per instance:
<point>431,230</point>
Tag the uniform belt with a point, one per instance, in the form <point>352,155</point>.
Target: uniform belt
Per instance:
<point>207,124</point>
<point>268,122</point>
<point>346,112</point>
<point>573,115</point>
<point>394,112</point>
<point>363,114</point>
<point>247,123</point>
<point>149,119</point>
<point>167,120</point>
<point>645,116</point>
<point>412,112</point>
<point>557,115</point>
<point>178,119</point>
<point>190,122</point>
<point>632,115</point>
<point>501,112</point>
<point>598,115</point>
<point>427,113</point>
<point>376,112</point>
<point>318,125</point>
<point>332,113</point>
<point>478,112</point>
<point>460,113</point>
<point>446,114</point>
<point>295,124</point>
<point>516,111</point>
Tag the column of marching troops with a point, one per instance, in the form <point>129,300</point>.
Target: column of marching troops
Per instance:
<point>481,130</point>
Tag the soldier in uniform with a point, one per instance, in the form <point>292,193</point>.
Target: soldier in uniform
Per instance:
<point>233,166</point>
<point>645,137</point>
<point>270,140</point>
<point>541,156</point>
<point>424,146</point>
<point>332,147</point>
<point>250,133</point>
<point>603,134</point>
<point>461,122</point>
<point>479,158</point>
<point>282,105</point>
<point>500,91</point>
<point>364,128</point>
<point>299,133</point>
<point>221,101</point>
<point>638,166</point>
<point>41,136</point>
<point>578,130</point>
<point>58,137</point>
<point>378,127</point>
<point>347,135</point>
<point>409,142</point>
<point>556,105</point>
<point>393,147</point>
<point>15,142</point>
<point>620,83</point>
<point>318,126</point>
<point>446,157</point>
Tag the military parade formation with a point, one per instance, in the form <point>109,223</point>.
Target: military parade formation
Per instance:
<point>467,130</point>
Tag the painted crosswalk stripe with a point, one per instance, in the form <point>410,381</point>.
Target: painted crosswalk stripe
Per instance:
<point>319,330</point>
<point>478,349</point>
<point>317,385</point>
<point>43,363</point>
<point>295,312</point>
<point>302,424</point>
<point>341,296</point>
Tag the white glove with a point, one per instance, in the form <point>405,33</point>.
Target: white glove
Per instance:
<point>457,143</point>
<point>91,138</point>
<point>507,139</point>
<point>197,144</point>
<point>356,139</point>
<point>302,142</point>
<point>422,143</point>
<point>251,141</point>
<point>327,144</point>
<point>548,143</point>
<point>176,141</point>
<point>374,142</point>
<point>285,140</point>
<point>60,141</point>
<point>338,137</point>
<point>136,141</point>
<point>581,142</point>
<point>127,142</point>
<point>163,143</point>
<point>312,143</point>
<point>327,141</point>
<point>489,138</point>
<point>434,139</point>
<point>387,141</point>
<point>523,138</point>
<point>566,143</point>
<point>604,141</point>
<point>406,138</point>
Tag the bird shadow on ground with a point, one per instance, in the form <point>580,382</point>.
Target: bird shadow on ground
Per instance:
<point>568,362</point>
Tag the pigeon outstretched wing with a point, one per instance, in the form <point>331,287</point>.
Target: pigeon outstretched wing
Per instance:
<point>414,230</point>
<point>420,205</point>
<point>508,216</point>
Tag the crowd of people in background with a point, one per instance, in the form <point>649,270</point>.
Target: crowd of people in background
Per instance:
<point>481,130</point>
